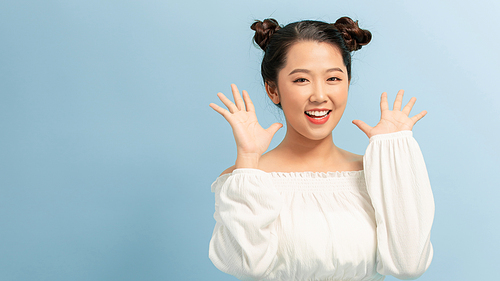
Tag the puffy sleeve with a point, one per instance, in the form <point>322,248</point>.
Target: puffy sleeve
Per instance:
<point>399,187</point>
<point>244,243</point>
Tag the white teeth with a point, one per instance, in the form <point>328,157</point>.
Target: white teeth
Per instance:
<point>317,113</point>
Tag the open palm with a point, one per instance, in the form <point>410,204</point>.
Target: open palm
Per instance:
<point>394,120</point>
<point>251,139</point>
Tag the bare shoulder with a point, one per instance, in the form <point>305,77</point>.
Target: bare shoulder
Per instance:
<point>228,170</point>
<point>355,161</point>
<point>270,161</point>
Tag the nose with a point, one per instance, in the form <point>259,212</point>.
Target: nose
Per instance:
<point>318,94</point>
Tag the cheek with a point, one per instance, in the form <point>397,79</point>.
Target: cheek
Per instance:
<point>292,100</point>
<point>341,96</point>
<point>291,108</point>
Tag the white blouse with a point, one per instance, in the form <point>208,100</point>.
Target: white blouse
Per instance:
<point>354,225</point>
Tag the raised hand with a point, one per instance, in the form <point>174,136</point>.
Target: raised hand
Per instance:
<point>251,139</point>
<point>394,120</point>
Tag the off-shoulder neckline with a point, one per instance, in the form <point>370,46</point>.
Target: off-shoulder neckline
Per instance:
<point>286,177</point>
<point>306,174</point>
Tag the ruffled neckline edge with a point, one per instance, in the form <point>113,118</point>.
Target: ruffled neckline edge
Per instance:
<point>293,175</point>
<point>308,175</point>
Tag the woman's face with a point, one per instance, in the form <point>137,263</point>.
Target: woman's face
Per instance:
<point>312,89</point>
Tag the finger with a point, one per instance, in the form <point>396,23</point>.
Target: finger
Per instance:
<point>227,102</point>
<point>362,126</point>
<point>418,116</point>
<point>248,102</point>
<point>406,110</point>
<point>383,102</point>
<point>398,101</point>
<point>237,97</point>
<point>274,128</point>
<point>219,109</point>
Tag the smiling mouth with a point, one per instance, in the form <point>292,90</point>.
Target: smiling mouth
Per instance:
<point>317,114</point>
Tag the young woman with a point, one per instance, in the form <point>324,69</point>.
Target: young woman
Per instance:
<point>308,210</point>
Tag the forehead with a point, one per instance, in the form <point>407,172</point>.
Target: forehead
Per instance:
<point>314,55</point>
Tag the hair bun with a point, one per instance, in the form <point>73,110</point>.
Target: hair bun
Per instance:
<point>263,31</point>
<point>354,36</point>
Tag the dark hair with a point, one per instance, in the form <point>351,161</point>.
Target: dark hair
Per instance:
<point>275,40</point>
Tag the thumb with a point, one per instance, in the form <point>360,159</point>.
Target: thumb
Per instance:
<point>362,126</point>
<point>274,128</point>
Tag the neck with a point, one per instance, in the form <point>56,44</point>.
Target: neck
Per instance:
<point>300,149</point>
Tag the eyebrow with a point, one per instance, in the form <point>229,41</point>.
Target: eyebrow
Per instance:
<point>308,71</point>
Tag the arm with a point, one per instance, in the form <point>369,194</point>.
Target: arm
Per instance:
<point>244,243</point>
<point>397,182</point>
<point>399,187</point>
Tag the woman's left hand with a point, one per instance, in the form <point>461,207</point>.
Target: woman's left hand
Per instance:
<point>394,120</point>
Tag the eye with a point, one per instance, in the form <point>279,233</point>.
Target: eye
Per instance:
<point>334,79</point>
<point>300,80</point>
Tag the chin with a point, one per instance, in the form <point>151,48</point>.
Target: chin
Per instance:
<point>307,131</point>
<point>318,135</point>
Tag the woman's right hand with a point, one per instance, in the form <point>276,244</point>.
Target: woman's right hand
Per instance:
<point>251,139</point>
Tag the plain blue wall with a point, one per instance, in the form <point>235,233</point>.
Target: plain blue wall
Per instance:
<point>108,145</point>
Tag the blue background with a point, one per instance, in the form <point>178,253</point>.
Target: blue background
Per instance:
<point>108,146</point>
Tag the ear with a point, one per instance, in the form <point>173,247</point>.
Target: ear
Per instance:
<point>272,92</point>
